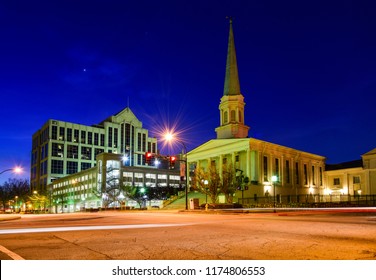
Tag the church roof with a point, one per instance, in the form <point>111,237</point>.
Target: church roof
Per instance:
<point>232,85</point>
<point>344,165</point>
<point>372,152</point>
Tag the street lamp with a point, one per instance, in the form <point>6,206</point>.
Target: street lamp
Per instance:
<point>16,170</point>
<point>169,137</point>
<point>274,180</point>
<point>16,198</point>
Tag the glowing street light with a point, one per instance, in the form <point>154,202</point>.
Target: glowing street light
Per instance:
<point>274,180</point>
<point>169,137</point>
<point>16,170</point>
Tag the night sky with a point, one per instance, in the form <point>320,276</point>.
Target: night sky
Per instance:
<point>307,70</point>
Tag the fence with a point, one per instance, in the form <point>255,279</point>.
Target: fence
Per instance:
<point>310,201</point>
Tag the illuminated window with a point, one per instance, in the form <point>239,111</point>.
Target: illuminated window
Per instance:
<point>297,179</point>
<point>287,168</point>
<point>356,179</point>
<point>265,163</point>
<point>336,182</point>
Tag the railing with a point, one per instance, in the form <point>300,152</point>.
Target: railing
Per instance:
<point>310,201</point>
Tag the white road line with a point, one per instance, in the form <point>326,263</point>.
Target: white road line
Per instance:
<point>11,254</point>
<point>77,228</point>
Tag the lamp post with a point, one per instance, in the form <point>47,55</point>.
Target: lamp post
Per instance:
<point>170,137</point>
<point>16,170</point>
<point>274,179</point>
<point>15,207</point>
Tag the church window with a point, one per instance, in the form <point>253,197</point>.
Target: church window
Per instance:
<point>265,169</point>
<point>240,117</point>
<point>287,172</point>
<point>356,180</point>
<point>276,167</point>
<point>297,173</point>
<point>305,174</point>
<point>232,115</point>
<point>225,118</point>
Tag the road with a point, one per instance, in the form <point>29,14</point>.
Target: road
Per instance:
<point>162,235</point>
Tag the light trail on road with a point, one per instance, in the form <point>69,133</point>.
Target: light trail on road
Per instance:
<point>83,228</point>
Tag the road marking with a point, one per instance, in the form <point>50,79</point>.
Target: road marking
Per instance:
<point>57,229</point>
<point>11,254</point>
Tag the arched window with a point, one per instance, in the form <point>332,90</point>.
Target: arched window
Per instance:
<point>225,118</point>
<point>233,116</point>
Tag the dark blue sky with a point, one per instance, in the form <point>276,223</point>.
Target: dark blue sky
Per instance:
<point>307,69</point>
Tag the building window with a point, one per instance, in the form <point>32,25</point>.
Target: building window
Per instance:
<point>305,174</point>
<point>297,179</point>
<point>72,151</point>
<point>85,165</point>
<point>139,142</point>
<point>320,176</point>
<point>225,117</point>
<point>237,158</point>
<point>57,167</point>
<point>313,176</point>
<point>265,162</point>
<point>69,134</point>
<point>143,142</point>
<point>233,116</point>
<point>356,180</point>
<point>276,168</point>
<point>224,160</point>
<point>72,167</point>
<point>110,136</point>
<point>57,150</point>
<point>83,137</point>
<point>90,138</point>
<point>96,139</point>
<point>61,133</point>
<point>54,132</point>
<point>86,153</point>
<point>287,168</point>
<point>76,135</point>
<point>102,140</point>
<point>115,137</point>
<point>336,182</point>
<point>98,151</point>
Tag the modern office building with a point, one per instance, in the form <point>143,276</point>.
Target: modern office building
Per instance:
<point>62,148</point>
<point>112,183</point>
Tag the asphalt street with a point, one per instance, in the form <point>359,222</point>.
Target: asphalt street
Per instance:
<point>162,235</point>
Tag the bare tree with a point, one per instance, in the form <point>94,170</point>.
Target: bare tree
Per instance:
<point>229,182</point>
<point>16,190</point>
<point>207,182</point>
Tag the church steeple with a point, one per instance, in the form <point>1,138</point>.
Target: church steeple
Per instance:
<point>232,102</point>
<point>232,86</point>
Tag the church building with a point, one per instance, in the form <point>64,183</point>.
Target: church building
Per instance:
<point>270,169</point>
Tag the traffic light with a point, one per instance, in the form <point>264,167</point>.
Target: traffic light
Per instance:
<point>172,162</point>
<point>148,157</point>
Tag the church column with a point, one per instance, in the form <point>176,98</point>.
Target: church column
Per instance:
<point>248,164</point>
